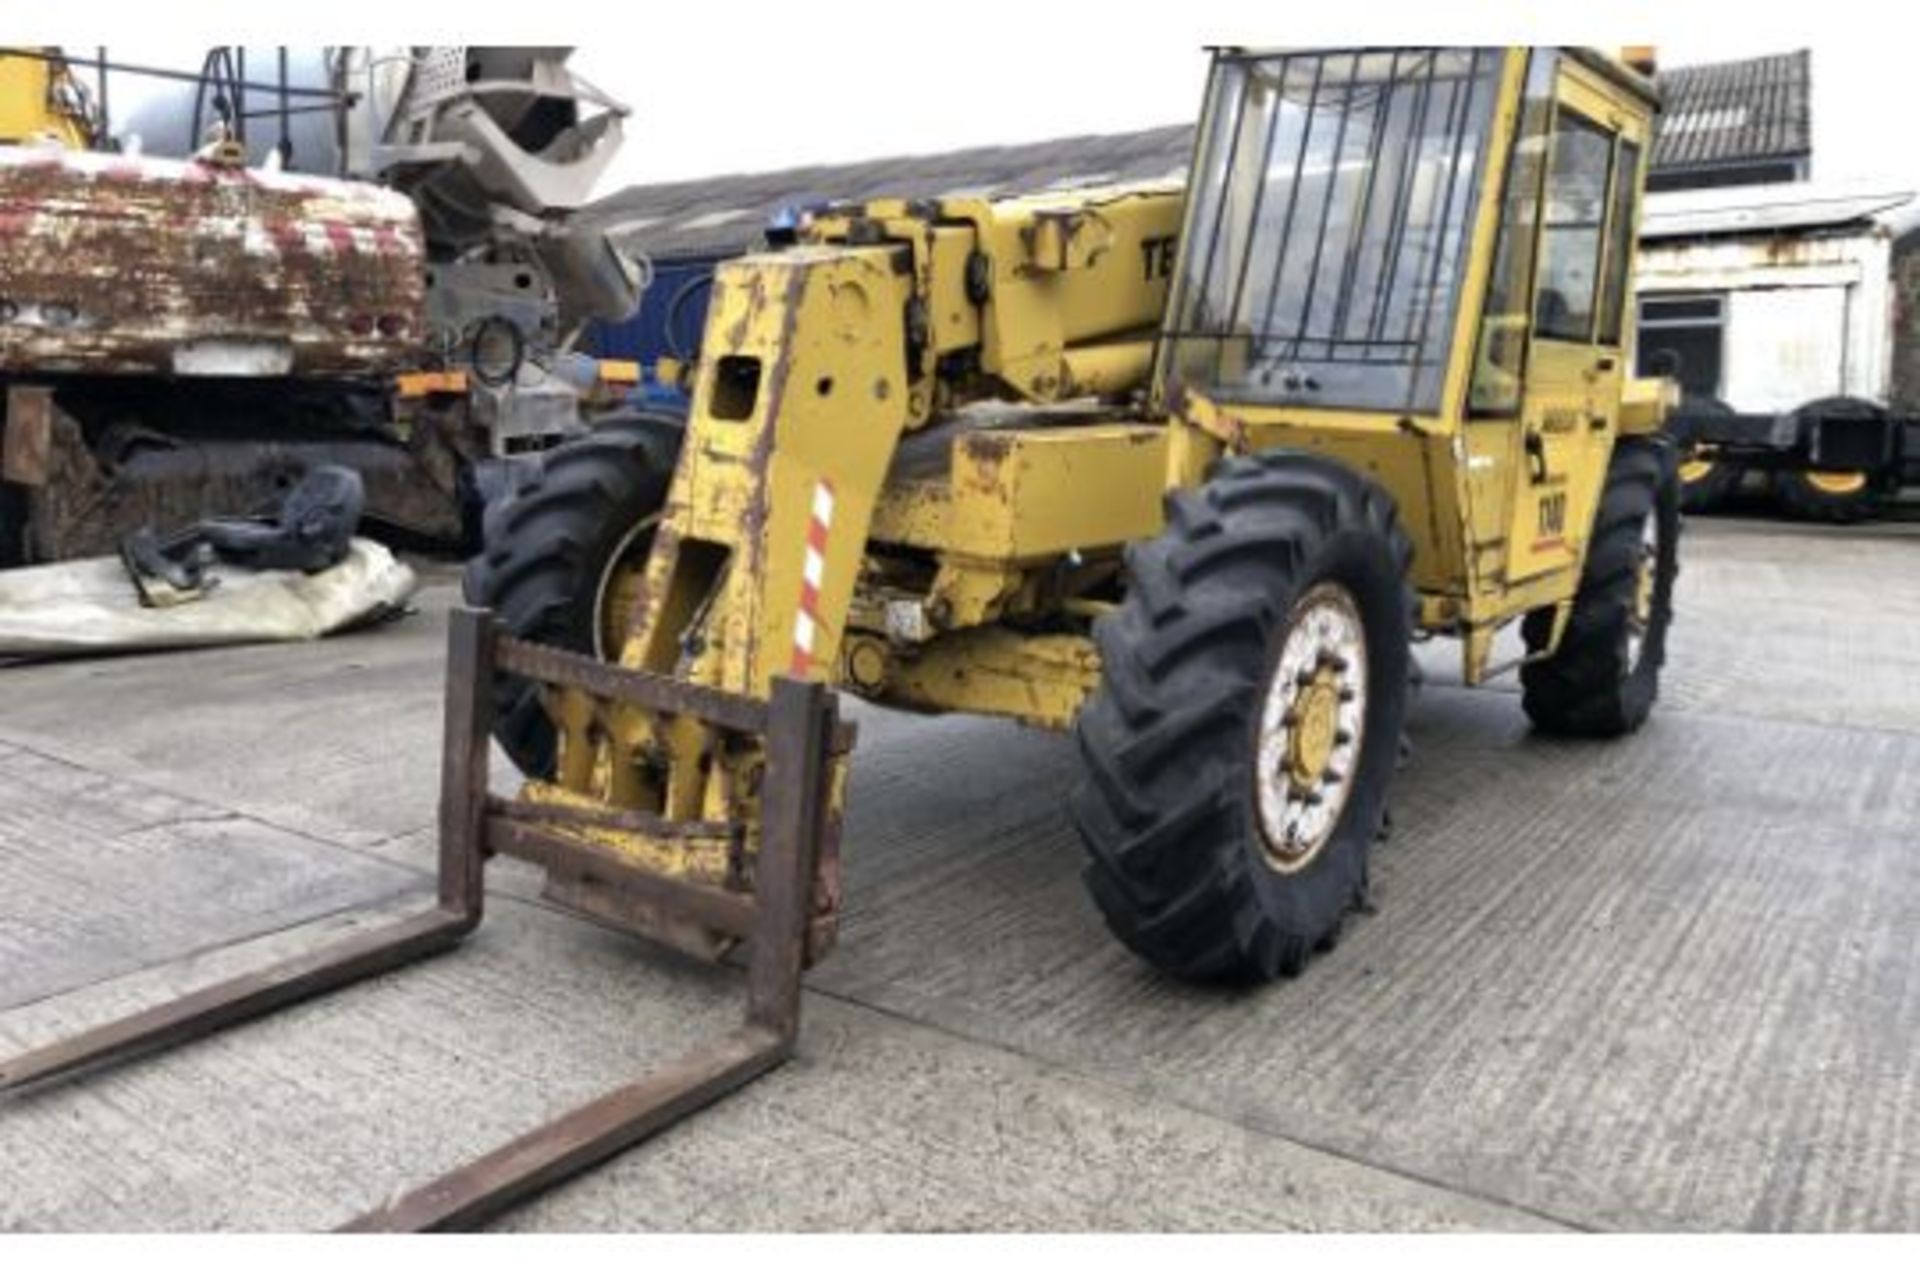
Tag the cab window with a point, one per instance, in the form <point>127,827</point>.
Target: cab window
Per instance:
<point>1570,238</point>
<point>1500,362</point>
<point>1626,181</point>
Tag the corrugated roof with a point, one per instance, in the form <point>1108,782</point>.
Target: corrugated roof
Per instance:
<point>1780,207</point>
<point>1728,112</point>
<point>1723,113</point>
<point>685,218</point>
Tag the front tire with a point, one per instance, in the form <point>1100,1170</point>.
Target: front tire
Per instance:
<point>1261,656</point>
<point>552,551</point>
<point>1605,676</point>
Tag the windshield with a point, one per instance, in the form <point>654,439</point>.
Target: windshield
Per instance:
<point>1331,203</point>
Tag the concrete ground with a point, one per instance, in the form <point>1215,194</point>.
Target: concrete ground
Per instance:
<point>1667,983</point>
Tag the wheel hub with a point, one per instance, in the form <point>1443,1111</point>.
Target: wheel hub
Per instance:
<point>1646,573</point>
<point>1315,715</point>
<point>1838,484</point>
<point>1695,469</point>
<point>1311,723</point>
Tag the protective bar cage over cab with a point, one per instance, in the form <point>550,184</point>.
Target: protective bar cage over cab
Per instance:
<point>1428,240</point>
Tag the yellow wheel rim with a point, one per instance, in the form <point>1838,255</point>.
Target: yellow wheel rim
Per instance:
<point>1695,470</point>
<point>1646,579</point>
<point>1838,484</point>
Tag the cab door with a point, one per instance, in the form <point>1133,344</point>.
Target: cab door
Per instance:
<point>1571,401</point>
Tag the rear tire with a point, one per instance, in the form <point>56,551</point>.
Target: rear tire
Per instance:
<point>1827,497</point>
<point>1831,497</point>
<point>547,548</point>
<point>1707,482</point>
<point>1604,678</point>
<point>1252,577</point>
<point>13,525</point>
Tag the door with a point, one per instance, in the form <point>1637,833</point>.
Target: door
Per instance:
<point>1571,400</point>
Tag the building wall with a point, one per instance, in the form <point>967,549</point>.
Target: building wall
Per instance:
<point>1807,315</point>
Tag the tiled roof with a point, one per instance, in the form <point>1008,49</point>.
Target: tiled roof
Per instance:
<point>1712,114</point>
<point>1735,112</point>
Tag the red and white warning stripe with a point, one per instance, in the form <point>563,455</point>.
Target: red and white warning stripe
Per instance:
<point>813,571</point>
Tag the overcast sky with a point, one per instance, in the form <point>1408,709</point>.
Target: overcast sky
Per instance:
<point>1115,79</point>
<point>729,86</point>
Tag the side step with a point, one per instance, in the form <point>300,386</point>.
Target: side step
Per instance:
<point>801,728</point>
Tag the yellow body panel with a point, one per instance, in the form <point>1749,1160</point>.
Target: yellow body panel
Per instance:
<point>960,564</point>
<point>1037,680</point>
<point>1020,494</point>
<point>39,101</point>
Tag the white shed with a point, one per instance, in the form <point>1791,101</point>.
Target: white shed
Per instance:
<point>1772,297</point>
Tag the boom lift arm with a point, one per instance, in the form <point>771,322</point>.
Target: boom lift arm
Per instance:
<point>700,782</point>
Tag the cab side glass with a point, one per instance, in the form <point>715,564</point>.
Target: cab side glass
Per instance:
<point>1499,368</point>
<point>1626,183</point>
<point>1570,240</point>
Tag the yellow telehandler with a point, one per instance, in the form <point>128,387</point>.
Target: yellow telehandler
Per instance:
<point>1183,470</point>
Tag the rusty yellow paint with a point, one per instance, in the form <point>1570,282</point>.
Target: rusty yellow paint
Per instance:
<point>1070,285</point>
<point>1020,494</point>
<point>701,858</point>
<point>1038,680</point>
<point>970,547</point>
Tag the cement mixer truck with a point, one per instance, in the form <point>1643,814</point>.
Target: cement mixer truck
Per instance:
<point>212,280</point>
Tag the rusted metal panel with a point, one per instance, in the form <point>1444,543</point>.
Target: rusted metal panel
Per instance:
<point>92,497</point>
<point>128,265</point>
<point>27,442</point>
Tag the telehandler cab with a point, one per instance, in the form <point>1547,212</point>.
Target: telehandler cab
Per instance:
<point>1183,471</point>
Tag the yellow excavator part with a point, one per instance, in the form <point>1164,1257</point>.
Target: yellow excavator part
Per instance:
<point>40,101</point>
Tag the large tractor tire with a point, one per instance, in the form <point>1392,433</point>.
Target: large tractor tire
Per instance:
<point>1605,676</point>
<point>561,553</point>
<point>1706,483</point>
<point>1833,497</point>
<point>1248,720</point>
<point>1707,479</point>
